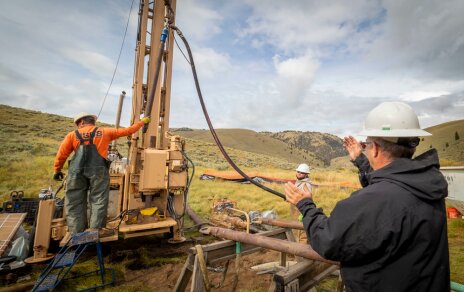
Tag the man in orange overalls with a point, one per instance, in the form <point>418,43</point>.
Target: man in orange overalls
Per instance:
<point>88,170</point>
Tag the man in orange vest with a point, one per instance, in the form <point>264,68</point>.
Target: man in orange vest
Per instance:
<point>88,170</point>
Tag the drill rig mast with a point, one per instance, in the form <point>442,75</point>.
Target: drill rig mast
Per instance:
<point>154,179</point>
<point>156,174</point>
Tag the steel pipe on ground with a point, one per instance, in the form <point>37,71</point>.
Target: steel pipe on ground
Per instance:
<point>195,218</point>
<point>281,223</point>
<point>298,249</point>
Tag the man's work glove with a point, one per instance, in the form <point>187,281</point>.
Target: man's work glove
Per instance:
<point>58,176</point>
<point>146,120</point>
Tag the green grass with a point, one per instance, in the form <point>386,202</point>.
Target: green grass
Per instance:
<point>456,249</point>
<point>29,141</point>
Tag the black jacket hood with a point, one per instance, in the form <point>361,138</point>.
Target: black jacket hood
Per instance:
<point>421,176</point>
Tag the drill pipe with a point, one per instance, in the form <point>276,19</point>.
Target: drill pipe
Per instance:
<point>118,115</point>
<point>281,223</point>
<point>298,249</point>
<point>195,218</point>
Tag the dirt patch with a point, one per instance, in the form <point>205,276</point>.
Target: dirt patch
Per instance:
<point>164,277</point>
<point>152,264</point>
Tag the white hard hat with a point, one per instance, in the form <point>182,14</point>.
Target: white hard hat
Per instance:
<point>392,119</point>
<point>304,168</point>
<point>82,115</point>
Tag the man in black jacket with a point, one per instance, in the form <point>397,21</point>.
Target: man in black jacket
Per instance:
<point>392,234</point>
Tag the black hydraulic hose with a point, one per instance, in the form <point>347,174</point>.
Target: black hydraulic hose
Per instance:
<point>154,80</point>
<point>171,208</point>
<point>213,132</point>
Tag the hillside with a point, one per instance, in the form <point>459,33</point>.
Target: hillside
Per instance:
<point>317,149</point>
<point>29,141</point>
<point>325,146</point>
<point>28,144</point>
<point>207,155</point>
<point>448,139</point>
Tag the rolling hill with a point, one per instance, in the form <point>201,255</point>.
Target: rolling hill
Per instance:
<point>448,139</point>
<point>29,141</point>
<point>325,146</point>
<point>317,149</point>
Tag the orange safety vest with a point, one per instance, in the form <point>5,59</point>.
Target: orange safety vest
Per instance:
<point>102,140</point>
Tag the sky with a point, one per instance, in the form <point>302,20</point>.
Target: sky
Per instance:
<point>263,65</point>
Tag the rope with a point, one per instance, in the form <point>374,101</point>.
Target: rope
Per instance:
<point>117,62</point>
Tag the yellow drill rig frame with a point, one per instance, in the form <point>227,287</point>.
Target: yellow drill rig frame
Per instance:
<point>151,185</point>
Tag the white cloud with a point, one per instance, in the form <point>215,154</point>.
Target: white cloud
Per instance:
<point>421,95</point>
<point>425,36</point>
<point>197,21</point>
<point>304,65</point>
<point>95,62</point>
<point>211,63</point>
<point>291,26</point>
<point>294,76</point>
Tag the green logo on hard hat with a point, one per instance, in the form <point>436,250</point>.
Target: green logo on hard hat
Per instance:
<point>386,128</point>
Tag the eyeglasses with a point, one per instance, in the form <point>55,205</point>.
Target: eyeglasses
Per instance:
<point>364,144</point>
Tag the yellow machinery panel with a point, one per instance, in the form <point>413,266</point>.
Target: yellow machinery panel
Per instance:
<point>153,175</point>
<point>175,155</point>
<point>177,179</point>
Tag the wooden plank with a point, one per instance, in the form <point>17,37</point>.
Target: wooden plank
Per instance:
<point>315,280</point>
<point>290,235</point>
<point>308,273</point>
<point>315,275</point>
<point>283,259</point>
<point>291,238</point>
<point>9,224</point>
<point>286,276</point>
<point>185,275</point>
<point>197,284</point>
<point>43,227</point>
<point>144,233</point>
<point>228,253</point>
<point>168,222</point>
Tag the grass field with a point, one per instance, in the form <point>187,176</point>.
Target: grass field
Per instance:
<point>251,198</point>
<point>248,198</point>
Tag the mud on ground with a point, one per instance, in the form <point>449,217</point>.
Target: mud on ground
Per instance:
<point>157,266</point>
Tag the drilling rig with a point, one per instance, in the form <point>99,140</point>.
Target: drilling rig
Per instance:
<point>148,189</point>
